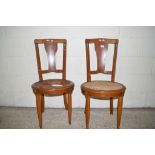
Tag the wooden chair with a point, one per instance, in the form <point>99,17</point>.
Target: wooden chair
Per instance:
<point>52,86</point>
<point>99,88</point>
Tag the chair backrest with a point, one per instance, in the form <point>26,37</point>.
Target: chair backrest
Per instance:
<point>101,48</point>
<point>51,48</point>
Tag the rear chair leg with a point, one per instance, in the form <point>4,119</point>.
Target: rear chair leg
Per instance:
<point>69,108</point>
<point>85,109</point>
<point>65,101</point>
<point>111,106</point>
<point>42,103</point>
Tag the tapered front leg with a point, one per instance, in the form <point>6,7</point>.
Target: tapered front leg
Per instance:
<point>111,106</point>
<point>119,111</point>
<point>87,110</point>
<point>69,108</point>
<point>42,103</point>
<point>65,101</point>
<point>38,105</point>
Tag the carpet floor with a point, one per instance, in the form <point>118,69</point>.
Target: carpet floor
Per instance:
<point>26,118</point>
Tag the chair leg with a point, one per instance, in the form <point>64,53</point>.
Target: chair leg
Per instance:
<point>111,106</point>
<point>119,111</point>
<point>69,108</point>
<point>87,110</point>
<point>38,104</point>
<point>65,101</point>
<point>42,103</point>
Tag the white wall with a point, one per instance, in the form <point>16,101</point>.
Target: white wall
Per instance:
<point>135,65</point>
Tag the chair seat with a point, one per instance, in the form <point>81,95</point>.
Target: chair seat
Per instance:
<point>102,87</point>
<point>53,86</point>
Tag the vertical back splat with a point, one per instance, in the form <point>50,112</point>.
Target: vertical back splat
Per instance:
<point>51,49</point>
<point>101,49</point>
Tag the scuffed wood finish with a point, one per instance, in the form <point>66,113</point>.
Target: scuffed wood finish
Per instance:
<point>101,48</point>
<point>52,86</point>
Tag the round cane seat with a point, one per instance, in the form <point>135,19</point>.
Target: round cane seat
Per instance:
<point>102,87</point>
<point>53,86</point>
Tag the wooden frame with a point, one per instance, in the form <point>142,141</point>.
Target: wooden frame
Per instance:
<point>52,86</point>
<point>101,45</point>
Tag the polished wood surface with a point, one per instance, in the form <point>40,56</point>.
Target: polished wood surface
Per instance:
<point>52,86</point>
<point>51,50</point>
<point>101,48</point>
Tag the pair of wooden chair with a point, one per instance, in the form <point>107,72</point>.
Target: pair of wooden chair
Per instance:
<point>98,89</point>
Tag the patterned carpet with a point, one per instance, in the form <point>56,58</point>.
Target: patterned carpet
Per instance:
<point>26,118</point>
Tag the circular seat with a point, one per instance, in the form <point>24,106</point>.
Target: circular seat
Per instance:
<point>53,86</point>
<point>102,88</point>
